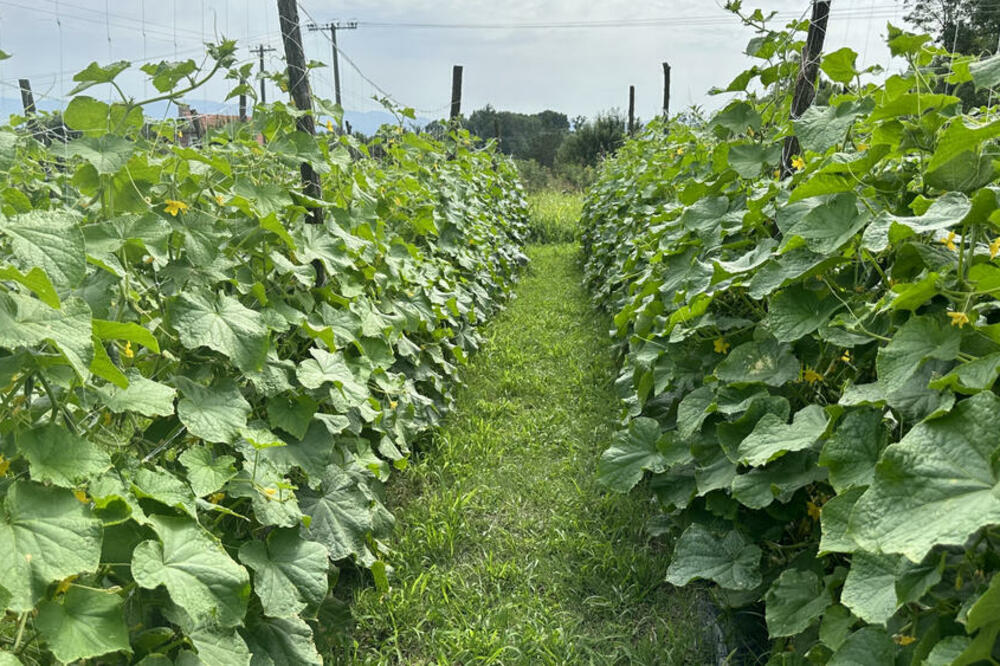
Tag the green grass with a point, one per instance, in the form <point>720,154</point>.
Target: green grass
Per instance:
<point>507,550</point>
<point>554,215</point>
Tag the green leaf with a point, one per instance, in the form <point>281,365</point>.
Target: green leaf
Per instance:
<point>835,518</point>
<point>692,411</point>
<point>115,330</point>
<point>794,601</point>
<point>840,65</point>
<point>195,569</point>
<point>836,626</point>
<point>289,573</point>
<point>6,658</point>
<point>959,140</point>
<point>971,377</point>
<point>748,159</point>
<point>827,227</point>
<point>634,451</point>
<point>772,437</point>
<point>105,368</point>
<point>764,361</point>
<point>223,324</point>
<point>282,640</point>
<point>206,472</point>
<point>37,281</point>
<point>340,519</point>
<point>936,486</point>
<point>163,487</point>
<point>797,311</point>
<point>779,480</point>
<point>60,457</point>
<point>87,623</point>
<point>46,535</point>
<point>108,154</point>
<point>870,588</point>
<point>986,72</point>
<point>868,646</point>
<point>325,367</point>
<point>50,240</point>
<point>854,448</point>
<point>27,321</point>
<point>731,561</point>
<point>166,75</point>
<point>95,74</point>
<point>215,413</point>
<point>216,645</point>
<point>918,340</point>
<point>291,414</point>
<point>945,212</point>
<point>143,396</point>
<point>986,609</point>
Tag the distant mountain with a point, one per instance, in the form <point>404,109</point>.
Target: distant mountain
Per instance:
<point>366,122</point>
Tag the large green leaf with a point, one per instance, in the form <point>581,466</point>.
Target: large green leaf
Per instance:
<point>45,535</point>
<point>214,413</point>
<point>222,323</point>
<point>870,588</point>
<point>868,646</point>
<point>143,396</point>
<point>50,240</point>
<point>839,65</point>
<point>794,601</point>
<point>764,361</point>
<point>28,322</point>
<point>772,437</point>
<point>936,486</point>
<point>282,640</point>
<point>289,573</point>
<point>796,312</point>
<point>207,472</point>
<point>854,448</point>
<point>340,517</point>
<point>85,623</point>
<point>108,154</point>
<point>827,227</point>
<point>195,569</point>
<point>633,452</point>
<point>918,340</point>
<point>732,561</point>
<point>60,457</point>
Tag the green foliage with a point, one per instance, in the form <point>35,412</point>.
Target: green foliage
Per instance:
<point>523,136</point>
<point>555,216</point>
<point>196,423</point>
<point>809,363</point>
<point>592,140</point>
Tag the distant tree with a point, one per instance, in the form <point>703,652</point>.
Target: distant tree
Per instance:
<point>524,136</point>
<point>592,139</point>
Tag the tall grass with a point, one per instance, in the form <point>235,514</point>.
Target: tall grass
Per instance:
<point>555,216</point>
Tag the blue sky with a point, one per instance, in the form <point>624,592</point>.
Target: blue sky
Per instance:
<point>577,70</point>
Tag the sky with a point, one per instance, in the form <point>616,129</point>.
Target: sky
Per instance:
<point>580,59</point>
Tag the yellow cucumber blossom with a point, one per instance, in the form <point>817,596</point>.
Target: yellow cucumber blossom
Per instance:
<point>329,126</point>
<point>219,199</point>
<point>812,510</point>
<point>721,346</point>
<point>846,356</point>
<point>949,241</point>
<point>862,147</point>
<point>904,640</point>
<point>680,150</point>
<point>173,207</point>
<point>81,497</point>
<point>811,376</point>
<point>995,247</point>
<point>798,163</point>
<point>129,353</point>
<point>4,465</point>
<point>959,319</point>
<point>215,498</point>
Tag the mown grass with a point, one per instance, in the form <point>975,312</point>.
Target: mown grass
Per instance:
<point>555,216</point>
<point>508,551</point>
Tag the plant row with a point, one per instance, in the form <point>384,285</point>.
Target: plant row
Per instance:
<point>809,361</point>
<point>203,387</point>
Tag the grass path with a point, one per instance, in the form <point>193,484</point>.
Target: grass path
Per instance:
<point>508,552</point>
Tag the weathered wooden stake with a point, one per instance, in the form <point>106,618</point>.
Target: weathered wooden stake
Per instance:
<point>805,83</point>
<point>631,110</point>
<point>666,90</point>
<point>456,91</point>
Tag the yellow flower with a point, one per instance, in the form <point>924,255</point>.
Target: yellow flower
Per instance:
<point>680,150</point>
<point>798,163</point>
<point>329,126</point>
<point>862,147</point>
<point>174,207</point>
<point>949,241</point>
<point>902,639</point>
<point>219,199</point>
<point>4,465</point>
<point>128,350</point>
<point>215,498</point>
<point>995,247</point>
<point>959,319</point>
<point>393,404</point>
<point>750,131</point>
<point>64,584</point>
<point>813,510</point>
<point>81,497</point>
<point>777,173</point>
<point>270,492</point>
<point>721,346</point>
<point>811,376</point>
<point>846,356</point>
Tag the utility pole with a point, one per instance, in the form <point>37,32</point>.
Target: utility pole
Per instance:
<point>333,27</point>
<point>631,110</point>
<point>666,90</point>
<point>260,51</point>
<point>456,91</point>
<point>28,102</point>
<point>805,83</point>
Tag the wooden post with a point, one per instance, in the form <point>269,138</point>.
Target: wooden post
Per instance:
<point>27,98</point>
<point>805,83</point>
<point>666,90</point>
<point>456,91</point>
<point>260,51</point>
<point>631,110</point>
<point>298,86</point>
<point>243,104</point>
